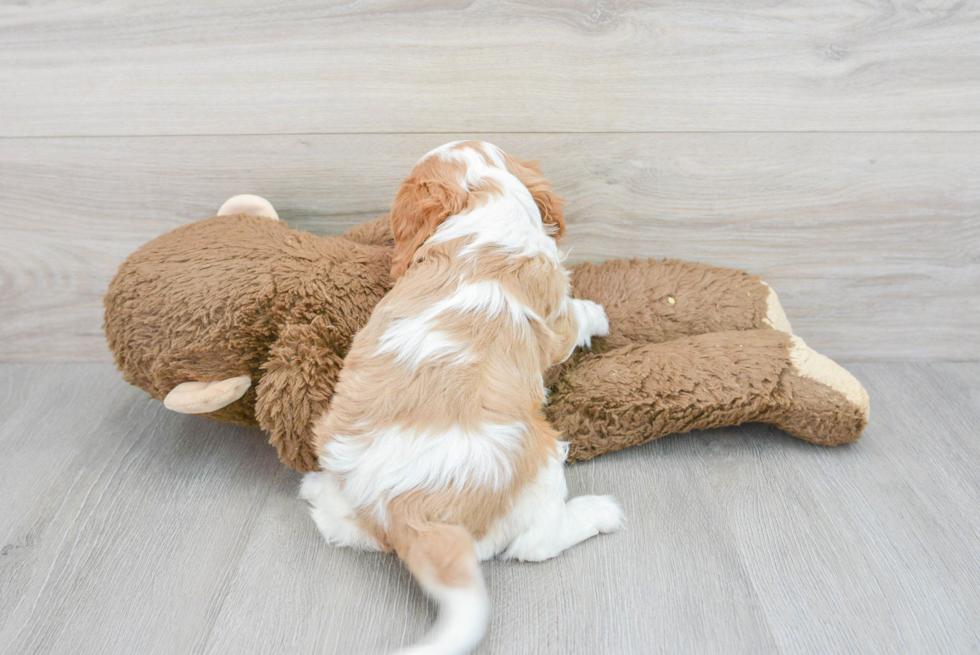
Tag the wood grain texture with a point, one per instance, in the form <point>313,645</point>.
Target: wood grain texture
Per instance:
<point>871,240</point>
<point>327,595</point>
<point>129,67</point>
<point>126,528</point>
<point>884,554</point>
<point>78,574</point>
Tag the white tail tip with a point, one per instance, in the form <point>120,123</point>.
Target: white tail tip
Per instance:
<point>461,623</point>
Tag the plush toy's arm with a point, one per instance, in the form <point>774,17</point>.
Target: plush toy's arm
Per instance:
<point>650,301</point>
<point>605,402</point>
<point>297,383</point>
<point>372,233</point>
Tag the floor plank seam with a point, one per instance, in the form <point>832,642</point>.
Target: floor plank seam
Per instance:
<point>746,569</point>
<point>225,588</point>
<point>184,135</point>
<point>81,508</point>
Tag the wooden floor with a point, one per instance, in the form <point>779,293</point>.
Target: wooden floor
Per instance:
<point>127,528</point>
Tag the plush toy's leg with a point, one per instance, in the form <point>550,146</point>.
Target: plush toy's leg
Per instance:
<point>641,392</point>
<point>246,203</point>
<point>296,387</point>
<point>650,301</point>
<point>204,397</point>
<point>372,233</point>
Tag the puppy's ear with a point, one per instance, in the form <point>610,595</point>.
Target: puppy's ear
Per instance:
<point>550,205</point>
<point>423,202</point>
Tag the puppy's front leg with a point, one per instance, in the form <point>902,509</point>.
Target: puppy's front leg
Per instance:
<point>591,319</point>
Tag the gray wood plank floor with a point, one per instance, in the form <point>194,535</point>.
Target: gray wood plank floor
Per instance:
<point>125,528</point>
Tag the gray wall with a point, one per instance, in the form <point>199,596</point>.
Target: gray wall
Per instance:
<point>831,147</point>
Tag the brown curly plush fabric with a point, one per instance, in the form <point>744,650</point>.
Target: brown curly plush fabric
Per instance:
<point>637,295</point>
<point>636,393</point>
<point>245,295</point>
<point>689,347</point>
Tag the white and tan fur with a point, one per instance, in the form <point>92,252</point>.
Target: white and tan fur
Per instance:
<point>435,446</point>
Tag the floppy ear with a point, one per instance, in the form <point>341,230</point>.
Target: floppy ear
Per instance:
<point>419,208</point>
<point>549,204</point>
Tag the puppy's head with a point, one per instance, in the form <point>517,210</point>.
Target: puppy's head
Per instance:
<point>446,182</point>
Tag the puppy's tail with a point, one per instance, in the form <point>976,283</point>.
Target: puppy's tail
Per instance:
<point>442,558</point>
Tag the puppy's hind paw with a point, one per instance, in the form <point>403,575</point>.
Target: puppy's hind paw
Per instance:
<point>603,512</point>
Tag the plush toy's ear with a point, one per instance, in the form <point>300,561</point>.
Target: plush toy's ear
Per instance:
<point>550,205</point>
<point>246,203</point>
<point>423,202</point>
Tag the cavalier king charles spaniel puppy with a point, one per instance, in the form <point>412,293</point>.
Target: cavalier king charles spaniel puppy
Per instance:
<point>435,446</point>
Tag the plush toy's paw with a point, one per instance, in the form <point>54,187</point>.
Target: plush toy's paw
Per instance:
<point>775,316</point>
<point>592,321</point>
<point>246,203</point>
<point>811,364</point>
<point>204,397</point>
<point>817,400</point>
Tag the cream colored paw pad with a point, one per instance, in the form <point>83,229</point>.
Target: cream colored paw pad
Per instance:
<point>811,364</point>
<point>204,397</point>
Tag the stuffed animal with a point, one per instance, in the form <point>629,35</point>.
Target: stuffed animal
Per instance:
<point>240,318</point>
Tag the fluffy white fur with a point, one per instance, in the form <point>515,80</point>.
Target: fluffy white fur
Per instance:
<point>399,460</point>
<point>332,512</point>
<point>415,339</point>
<point>541,525</point>
<point>592,321</point>
<point>461,623</point>
<point>517,234</point>
<point>511,221</point>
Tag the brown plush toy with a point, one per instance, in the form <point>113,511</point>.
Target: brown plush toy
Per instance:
<point>240,318</point>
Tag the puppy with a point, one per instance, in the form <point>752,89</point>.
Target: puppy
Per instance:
<point>435,446</point>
